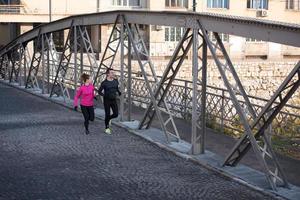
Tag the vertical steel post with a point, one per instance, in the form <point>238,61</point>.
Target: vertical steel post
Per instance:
<point>75,56</point>
<point>43,64</point>
<point>129,81</point>
<point>185,100</point>
<point>203,97</point>
<point>122,100</point>
<point>81,53</point>
<point>195,141</point>
<point>20,64</point>
<point>25,65</point>
<point>223,111</point>
<point>48,64</point>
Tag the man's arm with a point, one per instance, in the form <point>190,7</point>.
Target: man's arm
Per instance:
<point>118,90</point>
<point>100,91</point>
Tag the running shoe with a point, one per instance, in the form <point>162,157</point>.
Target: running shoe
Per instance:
<point>108,131</point>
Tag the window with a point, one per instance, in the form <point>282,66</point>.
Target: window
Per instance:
<point>173,34</point>
<point>218,4</point>
<point>253,40</point>
<point>293,5</point>
<point>58,39</point>
<point>126,2</point>
<point>224,37</point>
<point>177,3</point>
<point>257,4</point>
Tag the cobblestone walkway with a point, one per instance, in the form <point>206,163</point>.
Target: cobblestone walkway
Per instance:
<point>45,155</point>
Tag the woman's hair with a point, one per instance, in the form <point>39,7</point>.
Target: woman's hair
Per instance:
<point>108,70</point>
<point>84,77</point>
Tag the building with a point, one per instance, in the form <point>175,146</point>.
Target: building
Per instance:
<point>19,16</point>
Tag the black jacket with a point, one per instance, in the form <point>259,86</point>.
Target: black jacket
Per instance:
<point>109,89</point>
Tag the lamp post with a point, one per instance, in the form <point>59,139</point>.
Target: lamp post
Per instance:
<point>98,5</point>
<point>50,10</point>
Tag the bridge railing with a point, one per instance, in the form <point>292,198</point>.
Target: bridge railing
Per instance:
<point>221,113</point>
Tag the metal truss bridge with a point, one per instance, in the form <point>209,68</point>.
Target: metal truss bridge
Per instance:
<point>57,75</point>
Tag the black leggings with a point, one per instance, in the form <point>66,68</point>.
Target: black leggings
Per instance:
<point>88,114</point>
<point>114,106</point>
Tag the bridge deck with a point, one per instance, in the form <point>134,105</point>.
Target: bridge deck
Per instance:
<point>44,155</point>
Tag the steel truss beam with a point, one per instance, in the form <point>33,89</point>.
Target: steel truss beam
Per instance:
<point>6,66</point>
<point>52,56</point>
<point>16,58</point>
<point>26,63</point>
<point>125,76</point>
<point>109,53</point>
<point>264,120</point>
<point>117,38</point>
<point>168,77</point>
<point>32,81</point>
<point>198,114</point>
<point>139,48</point>
<point>2,67</point>
<point>87,45</point>
<point>271,167</point>
<point>59,87</point>
<point>82,42</point>
<point>239,26</point>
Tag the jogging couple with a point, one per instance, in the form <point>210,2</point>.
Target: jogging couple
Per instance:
<point>109,89</point>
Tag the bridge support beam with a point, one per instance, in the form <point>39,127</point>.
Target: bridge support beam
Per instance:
<point>59,87</point>
<point>32,79</point>
<point>199,99</point>
<point>271,167</point>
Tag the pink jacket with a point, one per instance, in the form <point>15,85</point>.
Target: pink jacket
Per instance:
<point>86,95</point>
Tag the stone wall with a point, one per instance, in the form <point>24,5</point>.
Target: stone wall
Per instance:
<point>260,79</point>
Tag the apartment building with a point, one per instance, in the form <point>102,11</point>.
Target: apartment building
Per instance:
<point>238,48</point>
<point>19,16</point>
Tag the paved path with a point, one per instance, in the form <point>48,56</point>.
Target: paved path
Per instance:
<point>44,155</point>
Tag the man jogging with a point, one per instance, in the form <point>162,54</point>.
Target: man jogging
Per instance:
<point>110,86</point>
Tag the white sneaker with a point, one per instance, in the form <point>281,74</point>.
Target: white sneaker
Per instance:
<point>108,131</point>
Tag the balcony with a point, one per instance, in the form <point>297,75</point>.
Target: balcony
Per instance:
<point>22,14</point>
<point>12,9</point>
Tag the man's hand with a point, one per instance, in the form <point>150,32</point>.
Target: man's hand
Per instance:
<point>75,108</point>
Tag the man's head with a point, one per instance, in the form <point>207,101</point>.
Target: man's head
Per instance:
<point>110,73</point>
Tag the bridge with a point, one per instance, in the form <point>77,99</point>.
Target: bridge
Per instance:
<point>50,75</point>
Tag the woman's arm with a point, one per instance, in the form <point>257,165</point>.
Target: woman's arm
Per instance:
<point>77,96</point>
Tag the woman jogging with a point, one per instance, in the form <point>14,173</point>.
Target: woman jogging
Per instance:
<point>110,86</point>
<point>86,95</point>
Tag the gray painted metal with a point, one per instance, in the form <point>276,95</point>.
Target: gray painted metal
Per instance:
<point>284,33</point>
<point>58,86</point>
<point>168,77</point>
<point>35,63</point>
<point>264,119</point>
<point>109,53</point>
<point>272,176</point>
<point>139,48</point>
<point>199,114</point>
<point>195,140</point>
